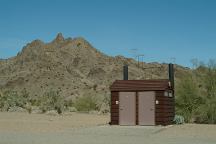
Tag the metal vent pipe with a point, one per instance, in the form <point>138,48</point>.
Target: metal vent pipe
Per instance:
<point>171,75</point>
<point>125,72</point>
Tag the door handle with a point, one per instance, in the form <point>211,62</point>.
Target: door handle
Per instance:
<point>151,109</point>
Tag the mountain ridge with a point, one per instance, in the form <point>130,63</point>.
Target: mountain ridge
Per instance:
<point>73,67</point>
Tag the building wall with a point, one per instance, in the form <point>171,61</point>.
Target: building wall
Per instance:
<point>164,110</point>
<point>114,108</point>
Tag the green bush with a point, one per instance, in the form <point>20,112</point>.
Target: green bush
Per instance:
<point>196,94</point>
<point>86,103</point>
<point>206,113</point>
<point>188,98</point>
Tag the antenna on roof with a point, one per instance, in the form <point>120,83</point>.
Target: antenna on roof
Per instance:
<point>140,57</point>
<point>173,60</point>
<point>133,52</point>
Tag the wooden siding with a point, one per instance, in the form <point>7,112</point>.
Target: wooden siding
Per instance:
<point>114,108</point>
<point>165,110</point>
<point>137,108</point>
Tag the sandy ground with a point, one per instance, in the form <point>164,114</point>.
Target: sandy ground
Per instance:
<point>21,128</point>
<point>24,122</point>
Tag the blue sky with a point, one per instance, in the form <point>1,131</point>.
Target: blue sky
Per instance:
<point>159,29</point>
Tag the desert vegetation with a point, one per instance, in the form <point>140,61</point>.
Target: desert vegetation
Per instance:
<point>196,94</point>
<point>51,101</point>
<point>195,98</point>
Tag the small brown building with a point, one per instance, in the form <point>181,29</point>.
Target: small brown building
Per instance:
<point>142,102</point>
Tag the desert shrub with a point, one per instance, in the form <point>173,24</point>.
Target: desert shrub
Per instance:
<point>178,119</point>
<point>12,99</point>
<point>188,99</point>
<point>210,86</point>
<point>72,109</point>
<point>86,103</point>
<point>34,101</point>
<point>206,113</point>
<point>103,103</point>
<point>51,100</point>
<point>196,95</point>
<point>107,99</point>
<point>68,103</point>
<point>25,95</point>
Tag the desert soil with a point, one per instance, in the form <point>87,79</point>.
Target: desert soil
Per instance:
<point>22,128</point>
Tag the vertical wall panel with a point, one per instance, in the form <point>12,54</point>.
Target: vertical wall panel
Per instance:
<point>146,108</point>
<point>165,109</point>
<point>114,108</point>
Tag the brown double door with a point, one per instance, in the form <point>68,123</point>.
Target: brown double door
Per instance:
<point>127,108</point>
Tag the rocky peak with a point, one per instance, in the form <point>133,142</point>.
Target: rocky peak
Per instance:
<point>36,43</point>
<point>59,38</point>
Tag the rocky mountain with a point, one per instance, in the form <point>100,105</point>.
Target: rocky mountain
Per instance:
<point>73,67</point>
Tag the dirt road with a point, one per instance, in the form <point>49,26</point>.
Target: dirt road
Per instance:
<point>20,128</point>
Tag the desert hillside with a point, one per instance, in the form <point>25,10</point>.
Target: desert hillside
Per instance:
<point>73,67</point>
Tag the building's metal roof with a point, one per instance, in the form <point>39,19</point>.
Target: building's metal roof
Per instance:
<point>140,85</point>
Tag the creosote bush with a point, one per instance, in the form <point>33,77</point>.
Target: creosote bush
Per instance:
<point>86,103</point>
<point>51,100</point>
<point>93,102</point>
<point>10,99</point>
